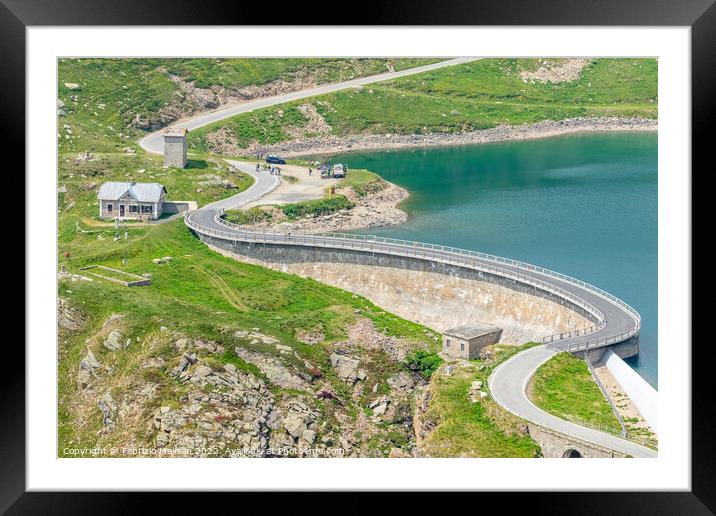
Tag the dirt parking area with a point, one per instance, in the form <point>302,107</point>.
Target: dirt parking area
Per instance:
<point>303,188</point>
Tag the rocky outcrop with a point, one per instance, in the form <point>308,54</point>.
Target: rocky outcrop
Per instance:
<point>108,408</point>
<point>68,317</point>
<point>179,394</point>
<point>364,334</point>
<point>555,70</point>
<point>89,368</point>
<point>275,370</point>
<point>234,412</point>
<point>113,341</point>
<point>347,368</point>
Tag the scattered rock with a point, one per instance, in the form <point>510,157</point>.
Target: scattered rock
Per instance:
<point>347,368</point>
<point>108,408</point>
<point>87,369</point>
<point>309,436</point>
<point>402,381</point>
<point>112,342</point>
<point>555,71</point>
<point>295,425</point>
<point>379,406</point>
<point>274,369</point>
<point>69,318</point>
<point>310,336</point>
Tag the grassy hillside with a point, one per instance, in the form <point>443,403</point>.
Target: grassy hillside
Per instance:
<point>564,387</point>
<point>205,297</point>
<point>476,95</point>
<point>107,104</point>
<point>466,428</point>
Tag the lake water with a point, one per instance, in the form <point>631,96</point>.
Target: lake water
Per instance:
<point>584,205</point>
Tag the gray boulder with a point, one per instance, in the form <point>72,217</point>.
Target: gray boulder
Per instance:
<point>347,368</point>
<point>113,341</point>
<point>87,370</point>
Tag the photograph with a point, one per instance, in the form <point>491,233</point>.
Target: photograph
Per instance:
<point>433,249</point>
<point>357,257</point>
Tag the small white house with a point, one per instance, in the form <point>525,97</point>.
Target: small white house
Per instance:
<point>131,200</point>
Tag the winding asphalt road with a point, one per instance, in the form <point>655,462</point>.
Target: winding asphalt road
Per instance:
<point>509,381</point>
<point>154,143</point>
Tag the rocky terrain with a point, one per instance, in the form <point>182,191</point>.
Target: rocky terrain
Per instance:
<point>556,70</point>
<point>337,144</point>
<point>245,395</point>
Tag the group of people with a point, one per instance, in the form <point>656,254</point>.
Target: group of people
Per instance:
<point>275,171</point>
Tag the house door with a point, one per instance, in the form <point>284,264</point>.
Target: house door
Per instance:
<point>121,210</point>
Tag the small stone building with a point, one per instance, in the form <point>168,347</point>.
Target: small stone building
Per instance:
<point>175,147</point>
<point>131,200</point>
<point>467,341</point>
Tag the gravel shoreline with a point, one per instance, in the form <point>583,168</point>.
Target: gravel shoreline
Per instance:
<point>338,144</point>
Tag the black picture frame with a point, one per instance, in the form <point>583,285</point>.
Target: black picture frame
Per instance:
<point>17,15</point>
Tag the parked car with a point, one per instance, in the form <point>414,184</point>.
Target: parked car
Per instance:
<point>275,160</point>
<point>339,170</point>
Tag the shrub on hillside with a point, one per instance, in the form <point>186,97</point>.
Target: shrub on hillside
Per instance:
<point>423,362</point>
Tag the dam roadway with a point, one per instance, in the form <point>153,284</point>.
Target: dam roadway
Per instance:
<point>615,322</point>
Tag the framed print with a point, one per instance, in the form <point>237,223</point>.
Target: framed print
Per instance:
<point>397,257</point>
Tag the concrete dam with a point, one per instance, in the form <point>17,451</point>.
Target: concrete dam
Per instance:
<point>441,286</point>
<point>435,294</point>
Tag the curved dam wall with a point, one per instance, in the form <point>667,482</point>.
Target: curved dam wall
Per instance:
<point>437,295</point>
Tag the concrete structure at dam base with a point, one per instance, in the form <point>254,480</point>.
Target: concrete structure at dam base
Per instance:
<point>628,348</point>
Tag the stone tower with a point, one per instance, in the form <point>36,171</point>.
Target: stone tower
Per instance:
<point>175,147</point>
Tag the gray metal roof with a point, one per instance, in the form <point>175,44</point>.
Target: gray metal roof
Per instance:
<point>175,131</point>
<point>471,331</point>
<point>142,192</point>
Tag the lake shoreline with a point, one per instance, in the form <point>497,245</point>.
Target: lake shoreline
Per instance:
<point>329,145</point>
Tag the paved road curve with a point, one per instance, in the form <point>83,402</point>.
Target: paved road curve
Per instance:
<point>509,381</point>
<point>154,143</point>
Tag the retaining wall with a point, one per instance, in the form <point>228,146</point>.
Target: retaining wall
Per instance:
<point>556,445</point>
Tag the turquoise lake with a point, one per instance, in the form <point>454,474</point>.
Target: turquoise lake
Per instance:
<point>584,205</point>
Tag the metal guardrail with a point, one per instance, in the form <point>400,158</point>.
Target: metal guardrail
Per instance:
<point>573,333</point>
<point>448,255</point>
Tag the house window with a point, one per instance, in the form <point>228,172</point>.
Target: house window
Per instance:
<point>133,209</point>
<point>109,208</point>
<point>462,346</point>
<point>447,343</point>
<point>146,209</point>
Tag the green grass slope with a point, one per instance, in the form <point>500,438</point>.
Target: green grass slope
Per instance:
<point>563,386</point>
<point>472,96</point>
